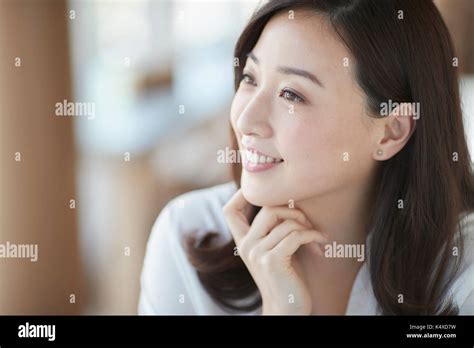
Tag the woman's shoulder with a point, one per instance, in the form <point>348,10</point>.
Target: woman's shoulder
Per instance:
<point>169,283</point>
<point>463,286</point>
<point>193,213</point>
<point>200,211</point>
<point>466,225</point>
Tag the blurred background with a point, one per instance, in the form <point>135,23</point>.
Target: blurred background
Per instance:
<point>154,79</point>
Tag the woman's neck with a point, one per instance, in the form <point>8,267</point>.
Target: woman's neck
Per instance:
<point>343,216</point>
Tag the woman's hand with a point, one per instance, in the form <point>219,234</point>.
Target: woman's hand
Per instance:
<point>267,246</point>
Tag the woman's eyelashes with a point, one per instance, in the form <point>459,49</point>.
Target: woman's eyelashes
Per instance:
<point>285,93</point>
<point>291,96</point>
<point>248,79</point>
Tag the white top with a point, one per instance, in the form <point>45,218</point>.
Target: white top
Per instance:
<point>170,286</point>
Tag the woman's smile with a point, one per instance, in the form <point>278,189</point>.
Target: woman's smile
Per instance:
<point>255,161</point>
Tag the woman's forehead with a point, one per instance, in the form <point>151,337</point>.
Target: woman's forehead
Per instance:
<point>302,40</point>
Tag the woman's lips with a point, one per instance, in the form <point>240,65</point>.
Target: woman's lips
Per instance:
<point>257,167</point>
<point>255,161</point>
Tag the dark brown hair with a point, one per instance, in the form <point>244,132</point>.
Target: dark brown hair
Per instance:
<point>405,59</point>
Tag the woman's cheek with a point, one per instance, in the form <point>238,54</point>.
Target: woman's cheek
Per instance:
<point>302,142</point>
<point>311,151</point>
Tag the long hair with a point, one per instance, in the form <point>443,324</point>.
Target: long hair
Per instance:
<point>403,52</point>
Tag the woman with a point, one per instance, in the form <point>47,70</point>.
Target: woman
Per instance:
<point>355,192</point>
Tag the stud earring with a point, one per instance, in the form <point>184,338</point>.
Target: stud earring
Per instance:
<point>379,152</point>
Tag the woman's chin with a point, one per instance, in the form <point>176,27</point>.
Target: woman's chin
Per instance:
<point>261,196</point>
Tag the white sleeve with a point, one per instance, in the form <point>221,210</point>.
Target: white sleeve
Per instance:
<point>162,289</point>
<point>467,308</point>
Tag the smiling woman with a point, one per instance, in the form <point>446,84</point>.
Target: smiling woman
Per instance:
<point>324,166</point>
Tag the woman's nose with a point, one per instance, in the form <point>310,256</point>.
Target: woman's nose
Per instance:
<point>254,118</point>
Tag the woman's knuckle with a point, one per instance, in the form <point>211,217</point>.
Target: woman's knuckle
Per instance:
<point>252,256</point>
<point>272,256</point>
<point>266,260</point>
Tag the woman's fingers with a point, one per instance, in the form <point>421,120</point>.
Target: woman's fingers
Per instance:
<point>295,239</point>
<point>235,215</point>
<point>269,217</point>
<point>283,230</point>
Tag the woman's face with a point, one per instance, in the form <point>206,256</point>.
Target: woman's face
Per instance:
<point>299,104</point>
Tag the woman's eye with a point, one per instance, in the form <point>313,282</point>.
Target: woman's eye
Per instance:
<point>247,79</point>
<point>291,96</point>
<point>287,94</point>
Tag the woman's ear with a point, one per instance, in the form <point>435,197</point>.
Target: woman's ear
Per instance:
<point>394,131</point>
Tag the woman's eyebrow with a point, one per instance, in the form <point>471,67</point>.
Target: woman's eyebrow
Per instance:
<point>291,71</point>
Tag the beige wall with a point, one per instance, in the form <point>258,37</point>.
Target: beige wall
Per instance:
<point>35,193</point>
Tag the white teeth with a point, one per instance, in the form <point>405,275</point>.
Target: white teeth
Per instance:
<point>255,158</point>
